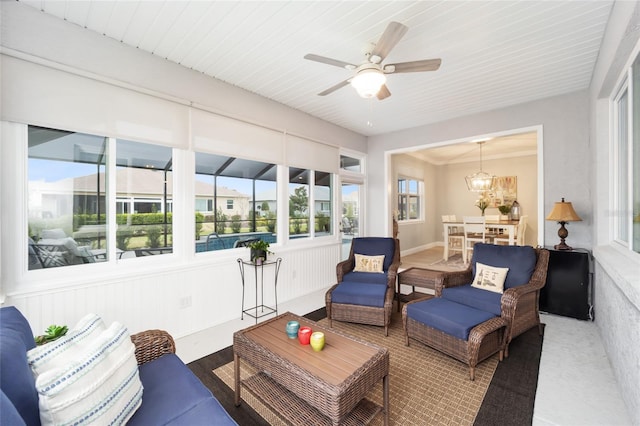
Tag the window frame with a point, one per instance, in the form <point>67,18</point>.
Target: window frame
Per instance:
<point>620,163</point>
<point>624,161</point>
<point>419,195</point>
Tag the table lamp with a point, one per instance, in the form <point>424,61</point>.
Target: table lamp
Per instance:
<point>562,213</point>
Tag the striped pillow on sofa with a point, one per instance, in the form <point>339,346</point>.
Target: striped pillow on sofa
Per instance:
<point>97,381</point>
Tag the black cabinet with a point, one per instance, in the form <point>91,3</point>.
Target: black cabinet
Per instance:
<point>568,288</point>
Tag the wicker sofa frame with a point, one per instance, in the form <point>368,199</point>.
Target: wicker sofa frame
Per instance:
<point>364,314</point>
<point>152,344</point>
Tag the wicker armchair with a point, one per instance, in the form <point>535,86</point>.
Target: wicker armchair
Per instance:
<point>349,308</point>
<point>519,305</point>
<point>152,344</point>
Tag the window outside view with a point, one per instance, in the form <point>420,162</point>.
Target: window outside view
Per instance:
<point>67,198</point>
<point>235,200</point>
<point>409,192</point>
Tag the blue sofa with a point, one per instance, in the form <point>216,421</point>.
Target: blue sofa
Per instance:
<point>172,394</point>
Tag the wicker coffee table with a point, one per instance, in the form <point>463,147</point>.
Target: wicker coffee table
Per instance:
<point>307,387</point>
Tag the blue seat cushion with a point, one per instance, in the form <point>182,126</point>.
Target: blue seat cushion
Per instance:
<point>173,395</point>
<point>474,297</point>
<point>521,261</point>
<point>375,246</point>
<point>449,317</point>
<point>354,293</point>
<point>366,277</point>
<point>16,378</point>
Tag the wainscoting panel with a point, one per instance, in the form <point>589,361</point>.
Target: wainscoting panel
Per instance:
<point>183,299</point>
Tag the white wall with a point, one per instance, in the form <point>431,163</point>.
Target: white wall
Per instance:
<point>617,270</point>
<point>413,234</point>
<point>141,293</point>
<point>566,156</point>
<point>26,30</point>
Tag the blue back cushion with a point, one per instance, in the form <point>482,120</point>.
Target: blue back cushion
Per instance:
<point>474,297</point>
<point>521,261</point>
<point>16,379</point>
<point>366,277</point>
<point>374,246</point>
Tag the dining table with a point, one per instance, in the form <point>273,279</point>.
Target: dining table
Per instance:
<point>509,227</point>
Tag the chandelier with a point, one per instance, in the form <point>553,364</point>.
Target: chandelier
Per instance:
<point>480,181</point>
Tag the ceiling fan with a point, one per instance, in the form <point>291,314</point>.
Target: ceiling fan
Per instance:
<point>369,77</point>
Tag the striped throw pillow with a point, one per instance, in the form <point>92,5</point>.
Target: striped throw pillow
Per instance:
<point>61,351</point>
<point>99,385</point>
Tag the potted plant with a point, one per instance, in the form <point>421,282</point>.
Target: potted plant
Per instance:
<point>52,333</point>
<point>259,251</point>
<point>505,209</point>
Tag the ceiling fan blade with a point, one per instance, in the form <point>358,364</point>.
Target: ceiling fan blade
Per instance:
<point>384,92</point>
<point>329,61</point>
<point>391,36</point>
<point>413,66</point>
<point>334,88</point>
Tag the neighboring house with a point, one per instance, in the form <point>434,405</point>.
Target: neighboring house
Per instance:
<point>268,197</point>
<point>322,201</point>
<point>146,195</point>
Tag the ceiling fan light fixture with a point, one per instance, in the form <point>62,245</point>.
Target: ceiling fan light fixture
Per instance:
<point>368,82</point>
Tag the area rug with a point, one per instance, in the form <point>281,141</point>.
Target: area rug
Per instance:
<point>426,386</point>
<point>454,263</point>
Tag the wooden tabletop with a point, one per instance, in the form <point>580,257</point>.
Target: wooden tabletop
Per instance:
<point>343,354</point>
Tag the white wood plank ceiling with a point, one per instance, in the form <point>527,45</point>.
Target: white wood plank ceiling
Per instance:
<point>494,53</point>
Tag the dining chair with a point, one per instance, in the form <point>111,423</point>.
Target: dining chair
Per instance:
<point>475,231</point>
<point>521,229</point>
<point>455,237</point>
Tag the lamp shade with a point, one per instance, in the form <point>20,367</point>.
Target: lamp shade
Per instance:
<point>368,82</point>
<point>563,212</point>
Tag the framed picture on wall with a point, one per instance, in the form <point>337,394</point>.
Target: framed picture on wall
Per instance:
<point>506,191</point>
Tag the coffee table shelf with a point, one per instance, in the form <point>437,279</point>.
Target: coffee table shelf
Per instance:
<point>295,410</point>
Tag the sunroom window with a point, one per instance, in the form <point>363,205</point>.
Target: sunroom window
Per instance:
<point>323,201</point>
<point>310,203</point>
<point>144,192</point>
<point>626,161</point>
<point>67,198</point>
<point>235,202</point>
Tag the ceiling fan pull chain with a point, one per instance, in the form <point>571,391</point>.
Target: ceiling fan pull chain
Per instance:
<point>370,120</point>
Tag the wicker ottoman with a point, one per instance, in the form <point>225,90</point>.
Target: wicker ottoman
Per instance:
<point>425,320</point>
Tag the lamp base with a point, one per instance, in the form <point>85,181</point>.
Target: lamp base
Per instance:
<point>562,233</point>
<point>562,246</point>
